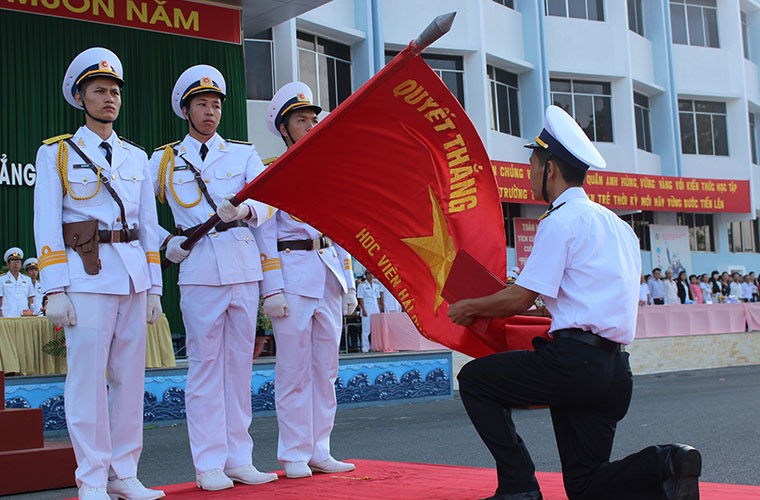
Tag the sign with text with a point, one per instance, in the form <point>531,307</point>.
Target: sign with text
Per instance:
<point>670,248</point>
<point>525,233</point>
<point>621,191</point>
<point>177,17</point>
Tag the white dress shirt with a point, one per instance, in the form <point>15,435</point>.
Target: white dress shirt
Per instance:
<point>587,266</point>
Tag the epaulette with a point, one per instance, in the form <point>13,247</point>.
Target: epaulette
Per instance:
<point>171,145</point>
<point>269,161</point>
<point>55,139</point>
<point>235,141</point>
<point>132,143</point>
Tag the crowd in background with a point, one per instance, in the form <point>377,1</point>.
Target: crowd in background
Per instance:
<point>706,288</point>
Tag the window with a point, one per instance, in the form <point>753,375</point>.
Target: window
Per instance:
<point>694,22</point>
<point>505,112</point>
<point>745,35</point>
<point>635,17</point>
<point>506,3</point>
<point>450,69</point>
<point>753,142</point>
<point>742,236</point>
<point>325,66</point>
<point>259,69</point>
<point>590,103</point>
<point>643,132</point>
<point>511,211</point>
<point>703,127</point>
<point>593,10</point>
<point>701,229</point>
<point>639,222</point>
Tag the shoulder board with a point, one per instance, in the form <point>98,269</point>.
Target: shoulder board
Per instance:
<point>132,143</point>
<point>55,139</point>
<point>235,141</point>
<point>171,145</point>
<point>269,161</point>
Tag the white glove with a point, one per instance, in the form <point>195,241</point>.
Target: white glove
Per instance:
<point>228,213</point>
<point>60,310</point>
<point>349,303</point>
<point>276,306</point>
<point>174,252</point>
<point>154,309</point>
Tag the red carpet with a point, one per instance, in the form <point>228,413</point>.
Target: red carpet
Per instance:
<point>374,480</point>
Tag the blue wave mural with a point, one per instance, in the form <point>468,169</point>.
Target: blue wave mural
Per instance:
<point>362,381</point>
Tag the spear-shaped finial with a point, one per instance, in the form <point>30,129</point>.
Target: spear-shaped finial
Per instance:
<point>435,30</point>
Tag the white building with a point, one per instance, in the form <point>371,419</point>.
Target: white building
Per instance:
<point>664,88</point>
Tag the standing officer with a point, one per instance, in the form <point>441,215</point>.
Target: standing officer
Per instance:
<point>33,271</point>
<point>369,295</point>
<point>17,291</point>
<point>586,265</point>
<point>96,231</point>
<point>306,287</point>
<point>218,279</point>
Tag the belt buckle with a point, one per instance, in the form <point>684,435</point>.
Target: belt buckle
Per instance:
<point>115,236</point>
<point>316,243</point>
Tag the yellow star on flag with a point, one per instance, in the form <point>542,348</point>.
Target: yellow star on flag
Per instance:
<point>436,250</point>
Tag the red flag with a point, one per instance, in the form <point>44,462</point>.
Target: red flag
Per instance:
<point>398,176</point>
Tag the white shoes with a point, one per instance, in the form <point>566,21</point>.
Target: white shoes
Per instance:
<point>131,488</point>
<point>213,480</point>
<point>331,466</point>
<point>248,474</point>
<point>296,470</point>
<point>89,493</point>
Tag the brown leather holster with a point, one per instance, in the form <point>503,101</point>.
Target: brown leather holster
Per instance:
<point>83,238</point>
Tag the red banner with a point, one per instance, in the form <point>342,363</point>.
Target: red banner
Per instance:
<point>525,233</point>
<point>399,177</point>
<point>177,17</point>
<point>622,191</point>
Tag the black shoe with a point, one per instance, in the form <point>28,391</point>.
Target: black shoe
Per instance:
<point>525,495</point>
<point>683,465</point>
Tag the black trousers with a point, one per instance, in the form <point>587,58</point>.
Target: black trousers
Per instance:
<point>588,391</point>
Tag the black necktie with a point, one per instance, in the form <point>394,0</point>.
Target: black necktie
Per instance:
<point>107,150</point>
<point>204,152</point>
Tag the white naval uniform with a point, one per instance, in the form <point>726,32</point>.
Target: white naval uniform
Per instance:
<point>105,424</point>
<point>15,293</point>
<point>219,299</point>
<point>390,304</point>
<point>39,294</point>
<point>581,231</point>
<point>370,295</point>
<point>307,339</point>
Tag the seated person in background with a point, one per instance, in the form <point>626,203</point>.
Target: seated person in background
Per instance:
<point>390,304</point>
<point>33,271</point>
<point>707,289</point>
<point>696,291</point>
<point>747,286</point>
<point>644,298</point>
<point>671,289</point>
<point>16,292</point>
<point>735,286</point>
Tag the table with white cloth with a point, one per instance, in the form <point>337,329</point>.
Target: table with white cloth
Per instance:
<point>21,341</point>
<point>693,319</point>
<point>394,331</point>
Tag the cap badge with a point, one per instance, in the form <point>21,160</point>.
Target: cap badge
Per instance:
<point>206,81</point>
<point>301,97</point>
<point>105,66</point>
